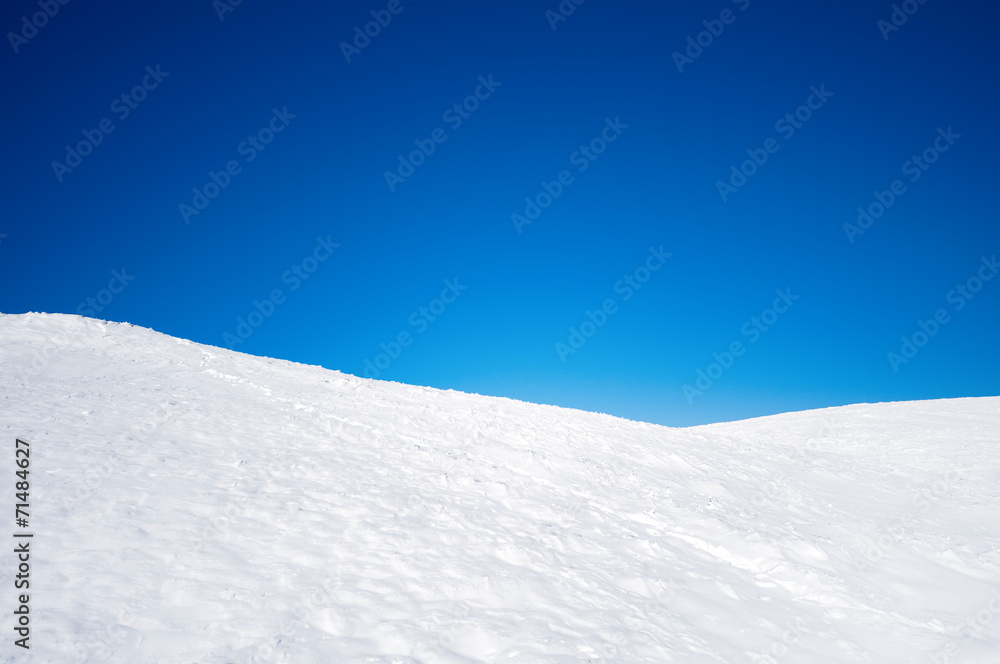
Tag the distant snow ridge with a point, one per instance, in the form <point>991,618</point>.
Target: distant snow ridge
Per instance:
<point>193,504</point>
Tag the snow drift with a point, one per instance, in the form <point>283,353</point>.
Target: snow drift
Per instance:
<point>192,504</point>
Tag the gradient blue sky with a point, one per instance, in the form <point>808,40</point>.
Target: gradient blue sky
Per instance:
<point>323,176</point>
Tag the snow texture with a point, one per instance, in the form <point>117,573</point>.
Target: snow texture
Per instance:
<point>193,504</point>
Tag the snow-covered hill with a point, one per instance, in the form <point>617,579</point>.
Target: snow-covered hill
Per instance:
<point>192,504</point>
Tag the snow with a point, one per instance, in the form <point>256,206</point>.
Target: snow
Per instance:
<point>194,504</point>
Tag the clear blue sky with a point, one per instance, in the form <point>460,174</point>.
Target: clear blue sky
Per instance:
<point>619,128</point>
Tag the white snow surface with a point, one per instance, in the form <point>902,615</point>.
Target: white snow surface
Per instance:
<point>194,504</point>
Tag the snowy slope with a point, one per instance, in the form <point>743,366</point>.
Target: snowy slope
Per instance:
<point>192,504</point>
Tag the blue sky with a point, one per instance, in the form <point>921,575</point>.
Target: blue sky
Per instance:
<point>628,207</point>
